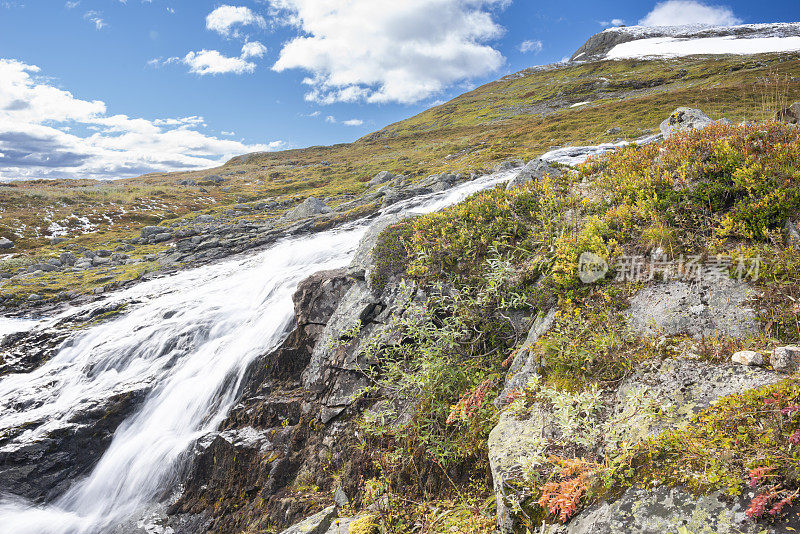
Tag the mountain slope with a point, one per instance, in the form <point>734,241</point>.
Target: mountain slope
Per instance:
<point>519,116</point>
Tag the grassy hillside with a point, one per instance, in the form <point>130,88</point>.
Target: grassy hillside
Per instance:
<point>519,116</point>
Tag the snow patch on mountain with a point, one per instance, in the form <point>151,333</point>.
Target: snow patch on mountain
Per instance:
<point>672,47</point>
<point>673,41</point>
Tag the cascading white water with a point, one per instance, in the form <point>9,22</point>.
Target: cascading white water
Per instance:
<point>186,341</point>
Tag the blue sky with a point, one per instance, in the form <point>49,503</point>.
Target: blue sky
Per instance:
<point>110,88</point>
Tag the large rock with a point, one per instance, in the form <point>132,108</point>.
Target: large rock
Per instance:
<point>364,259</point>
<point>786,359</point>
<point>381,178</point>
<point>790,115</point>
<point>309,208</point>
<point>150,231</point>
<point>679,387</point>
<point>6,244</point>
<point>708,309</point>
<point>664,510</point>
<point>316,524</point>
<point>533,170</point>
<point>685,119</point>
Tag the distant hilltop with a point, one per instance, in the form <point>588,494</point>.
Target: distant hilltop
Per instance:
<point>627,42</point>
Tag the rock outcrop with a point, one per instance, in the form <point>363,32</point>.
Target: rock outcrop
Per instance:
<point>683,119</point>
<point>790,115</point>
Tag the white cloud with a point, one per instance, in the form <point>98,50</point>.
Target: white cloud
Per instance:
<point>353,122</point>
<point>212,62</point>
<point>253,49</point>
<point>680,12</point>
<point>95,17</point>
<point>207,62</point>
<point>37,121</point>
<point>530,46</point>
<point>225,19</point>
<point>612,22</point>
<point>387,50</point>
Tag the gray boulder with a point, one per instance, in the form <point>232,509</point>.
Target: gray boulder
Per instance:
<point>664,510</point>
<point>683,119</point>
<point>709,309</point>
<point>309,208</point>
<point>680,388</point>
<point>6,244</point>
<point>364,259</point>
<point>793,234</point>
<point>533,170</point>
<point>790,115</point>
<point>381,178</point>
<point>508,165</point>
<point>786,359</point>
<point>316,524</point>
<point>149,231</point>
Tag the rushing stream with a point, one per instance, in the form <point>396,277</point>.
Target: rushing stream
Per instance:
<point>185,342</point>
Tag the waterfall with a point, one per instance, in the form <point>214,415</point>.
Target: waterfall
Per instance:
<point>184,342</point>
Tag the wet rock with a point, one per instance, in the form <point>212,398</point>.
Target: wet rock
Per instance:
<point>790,115</point>
<point>786,359</point>
<point>683,119</point>
<point>748,357</point>
<point>42,469</point>
<point>6,244</point>
<point>533,170</point>
<point>708,309</point>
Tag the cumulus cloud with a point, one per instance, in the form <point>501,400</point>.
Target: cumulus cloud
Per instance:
<point>211,62</point>
<point>226,20</point>
<point>530,46</point>
<point>680,12</point>
<point>385,50</point>
<point>612,22</point>
<point>253,49</point>
<point>207,62</point>
<point>36,139</point>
